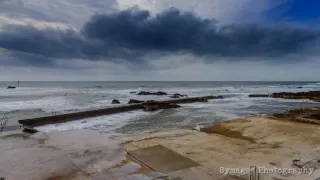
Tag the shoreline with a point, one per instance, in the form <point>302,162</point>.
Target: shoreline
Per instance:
<point>288,140</point>
<point>241,143</point>
<point>303,97</point>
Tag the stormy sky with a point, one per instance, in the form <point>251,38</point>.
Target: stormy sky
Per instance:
<point>123,40</point>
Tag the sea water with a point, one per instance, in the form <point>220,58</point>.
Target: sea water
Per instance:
<point>34,99</point>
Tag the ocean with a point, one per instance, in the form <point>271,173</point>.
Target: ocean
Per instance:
<point>35,99</point>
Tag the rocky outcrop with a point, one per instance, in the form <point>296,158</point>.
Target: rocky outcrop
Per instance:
<point>314,116</point>
<point>133,101</point>
<point>302,115</point>
<point>115,101</point>
<point>298,95</point>
<point>311,95</point>
<point>159,93</point>
<point>194,99</point>
<point>155,105</point>
<point>177,95</point>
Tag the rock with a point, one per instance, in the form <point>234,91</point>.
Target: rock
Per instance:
<point>144,93</point>
<point>218,97</point>
<point>133,92</point>
<point>311,116</point>
<point>314,116</point>
<point>154,105</point>
<point>29,129</point>
<point>192,100</point>
<point>159,93</point>
<point>115,101</point>
<point>133,101</point>
<point>11,87</point>
<point>175,96</point>
<point>311,95</point>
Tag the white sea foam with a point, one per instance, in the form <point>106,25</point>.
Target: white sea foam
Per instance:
<point>26,91</point>
<point>109,122</point>
<point>50,104</point>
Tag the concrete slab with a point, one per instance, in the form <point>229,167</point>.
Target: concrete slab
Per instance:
<point>162,159</point>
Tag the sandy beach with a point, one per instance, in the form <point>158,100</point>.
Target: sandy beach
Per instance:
<point>262,142</point>
<point>267,143</point>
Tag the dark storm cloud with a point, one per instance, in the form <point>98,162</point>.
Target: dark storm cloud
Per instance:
<point>133,34</point>
<point>176,31</point>
<point>47,42</point>
<point>41,47</point>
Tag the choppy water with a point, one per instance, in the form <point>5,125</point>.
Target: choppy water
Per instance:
<point>34,99</point>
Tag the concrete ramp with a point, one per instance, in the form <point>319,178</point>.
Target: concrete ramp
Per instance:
<point>162,159</point>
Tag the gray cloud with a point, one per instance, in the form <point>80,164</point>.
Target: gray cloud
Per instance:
<point>72,12</point>
<point>133,34</point>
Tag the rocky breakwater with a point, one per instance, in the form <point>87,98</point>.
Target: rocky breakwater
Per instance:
<point>28,125</point>
<point>310,95</point>
<point>155,105</point>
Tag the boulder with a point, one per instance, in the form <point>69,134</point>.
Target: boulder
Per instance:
<point>159,93</point>
<point>177,95</point>
<point>115,101</point>
<point>218,97</point>
<point>133,101</point>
